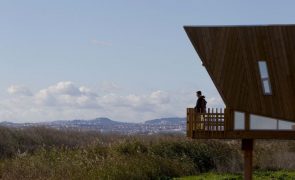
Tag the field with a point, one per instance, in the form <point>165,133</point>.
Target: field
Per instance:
<point>42,153</point>
<point>258,175</point>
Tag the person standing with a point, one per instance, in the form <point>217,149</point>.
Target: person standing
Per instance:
<point>201,103</point>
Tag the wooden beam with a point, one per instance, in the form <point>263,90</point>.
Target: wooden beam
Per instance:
<point>241,134</point>
<point>247,147</point>
<point>247,121</point>
<point>231,54</point>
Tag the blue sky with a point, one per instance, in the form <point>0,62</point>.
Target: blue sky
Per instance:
<point>128,60</point>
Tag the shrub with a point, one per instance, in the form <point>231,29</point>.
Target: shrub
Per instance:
<point>43,153</point>
<point>206,155</point>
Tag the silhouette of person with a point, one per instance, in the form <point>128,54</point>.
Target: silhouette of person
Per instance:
<point>201,103</point>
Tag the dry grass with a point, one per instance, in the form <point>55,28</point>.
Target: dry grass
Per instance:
<point>41,153</point>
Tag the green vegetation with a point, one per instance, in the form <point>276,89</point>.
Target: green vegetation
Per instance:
<point>213,176</point>
<point>41,153</point>
<point>258,175</point>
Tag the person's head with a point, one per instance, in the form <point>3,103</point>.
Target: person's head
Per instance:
<point>199,93</point>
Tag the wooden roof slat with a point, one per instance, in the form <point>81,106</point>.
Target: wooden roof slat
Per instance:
<point>231,54</point>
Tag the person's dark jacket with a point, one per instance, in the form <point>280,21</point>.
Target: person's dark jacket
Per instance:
<point>201,105</point>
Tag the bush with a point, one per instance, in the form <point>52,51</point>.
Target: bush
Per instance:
<point>43,153</point>
<point>16,141</point>
<point>206,156</point>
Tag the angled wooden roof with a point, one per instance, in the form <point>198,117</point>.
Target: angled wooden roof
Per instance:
<point>231,54</point>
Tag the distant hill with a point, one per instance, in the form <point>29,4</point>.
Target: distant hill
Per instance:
<point>105,121</point>
<point>97,121</point>
<point>104,124</point>
<point>173,120</point>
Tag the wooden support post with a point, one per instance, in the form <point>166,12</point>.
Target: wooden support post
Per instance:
<point>247,147</point>
<point>225,120</point>
<point>189,123</point>
<point>247,121</point>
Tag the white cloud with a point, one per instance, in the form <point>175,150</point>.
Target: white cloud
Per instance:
<point>65,87</point>
<point>67,100</point>
<point>67,94</point>
<point>160,97</point>
<point>215,102</point>
<point>43,97</point>
<point>109,87</point>
<point>19,90</point>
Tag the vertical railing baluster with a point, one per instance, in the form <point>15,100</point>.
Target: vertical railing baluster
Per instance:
<point>217,119</point>
<point>194,121</point>
<point>222,119</point>
<point>189,123</point>
<point>214,123</point>
<point>209,119</point>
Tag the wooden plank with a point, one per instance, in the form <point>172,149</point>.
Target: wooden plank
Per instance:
<point>211,122</point>
<point>286,135</point>
<point>188,123</point>
<point>247,121</point>
<point>247,147</point>
<point>231,54</point>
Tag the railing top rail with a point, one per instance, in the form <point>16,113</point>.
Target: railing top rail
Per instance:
<point>210,111</point>
<point>209,108</point>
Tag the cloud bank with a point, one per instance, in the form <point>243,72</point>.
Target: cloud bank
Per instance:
<point>67,100</point>
<point>19,90</point>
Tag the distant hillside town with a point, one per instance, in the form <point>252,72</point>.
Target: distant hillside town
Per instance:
<point>106,125</point>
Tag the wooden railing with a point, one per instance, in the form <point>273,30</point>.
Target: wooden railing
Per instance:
<point>210,123</point>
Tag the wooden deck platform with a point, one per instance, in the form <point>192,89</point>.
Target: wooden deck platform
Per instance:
<point>218,124</point>
<point>284,135</point>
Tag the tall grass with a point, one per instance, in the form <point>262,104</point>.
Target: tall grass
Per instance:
<point>42,153</point>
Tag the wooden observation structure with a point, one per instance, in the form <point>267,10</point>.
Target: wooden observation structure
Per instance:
<point>253,69</point>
